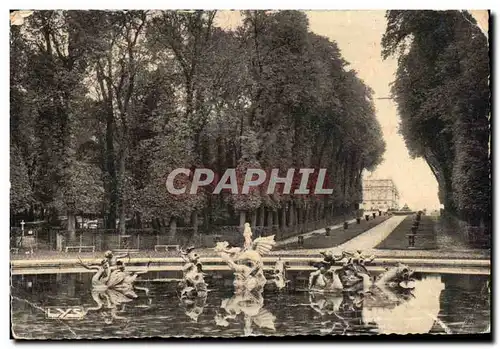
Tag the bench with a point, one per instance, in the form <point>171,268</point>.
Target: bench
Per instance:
<point>80,248</point>
<point>124,250</point>
<point>166,248</point>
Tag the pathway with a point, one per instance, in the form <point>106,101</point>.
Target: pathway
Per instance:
<point>372,237</point>
<point>311,233</point>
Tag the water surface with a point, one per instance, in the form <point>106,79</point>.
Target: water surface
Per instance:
<point>453,304</point>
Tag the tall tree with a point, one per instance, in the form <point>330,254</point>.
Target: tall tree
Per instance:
<point>442,91</point>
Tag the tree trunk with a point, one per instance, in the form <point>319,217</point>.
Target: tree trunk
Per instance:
<point>254,219</point>
<point>242,218</point>
<point>194,222</point>
<point>283,217</point>
<point>59,241</point>
<point>261,216</point>
<point>71,227</point>
<point>121,191</point>
<point>139,220</point>
<point>274,220</point>
<point>122,224</point>
<point>269,218</point>
<point>173,227</point>
<point>291,221</point>
<point>110,166</point>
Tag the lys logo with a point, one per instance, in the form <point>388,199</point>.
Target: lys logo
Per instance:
<point>65,313</point>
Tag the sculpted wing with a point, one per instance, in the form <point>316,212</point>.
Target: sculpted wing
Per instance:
<point>263,244</point>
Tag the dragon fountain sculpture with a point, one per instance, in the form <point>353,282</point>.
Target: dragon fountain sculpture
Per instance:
<point>249,281</point>
<point>278,276</point>
<point>354,276</point>
<point>246,263</point>
<point>193,282</point>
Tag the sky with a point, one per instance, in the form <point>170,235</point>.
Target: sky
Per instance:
<point>358,35</point>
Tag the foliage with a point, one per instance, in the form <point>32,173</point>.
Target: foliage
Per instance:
<point>21,193</point>
<point>112,101</point>
<point>442,91</point>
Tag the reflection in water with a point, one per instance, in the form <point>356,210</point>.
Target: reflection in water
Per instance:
<point>109,304</point>
<point>249,305</point>
<point>409,315</point>
<point>193,307</point>
<point>112,288</point>
<point>340,312</point>
<point>468,311</point>
<point>404,312</point>
<point>438,304</point>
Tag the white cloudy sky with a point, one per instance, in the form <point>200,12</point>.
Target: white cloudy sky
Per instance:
<point>358,34</point>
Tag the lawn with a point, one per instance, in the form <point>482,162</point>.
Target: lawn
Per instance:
<point>425,239</point>
<point>337,236</point>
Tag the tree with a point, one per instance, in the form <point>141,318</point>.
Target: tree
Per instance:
<point>49,86</point>
<point>442,91</point>
<point>122,98</point>
<point>118,58</point>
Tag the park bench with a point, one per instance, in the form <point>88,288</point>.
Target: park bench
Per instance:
<point>124,250</point>
<point>166,248</point>
<point>80,248</point>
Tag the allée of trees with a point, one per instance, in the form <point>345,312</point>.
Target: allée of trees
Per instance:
<point>443,96</point>
<point>104,104</point>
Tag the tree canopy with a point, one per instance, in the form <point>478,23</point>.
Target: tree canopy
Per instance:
<point>104,104</point>
<point>443,96</point>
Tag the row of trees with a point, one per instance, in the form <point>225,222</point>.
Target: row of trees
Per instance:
<point>104,104</point>
<point>443,96</point>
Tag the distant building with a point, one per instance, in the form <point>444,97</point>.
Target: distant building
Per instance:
<point>380,194</point>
